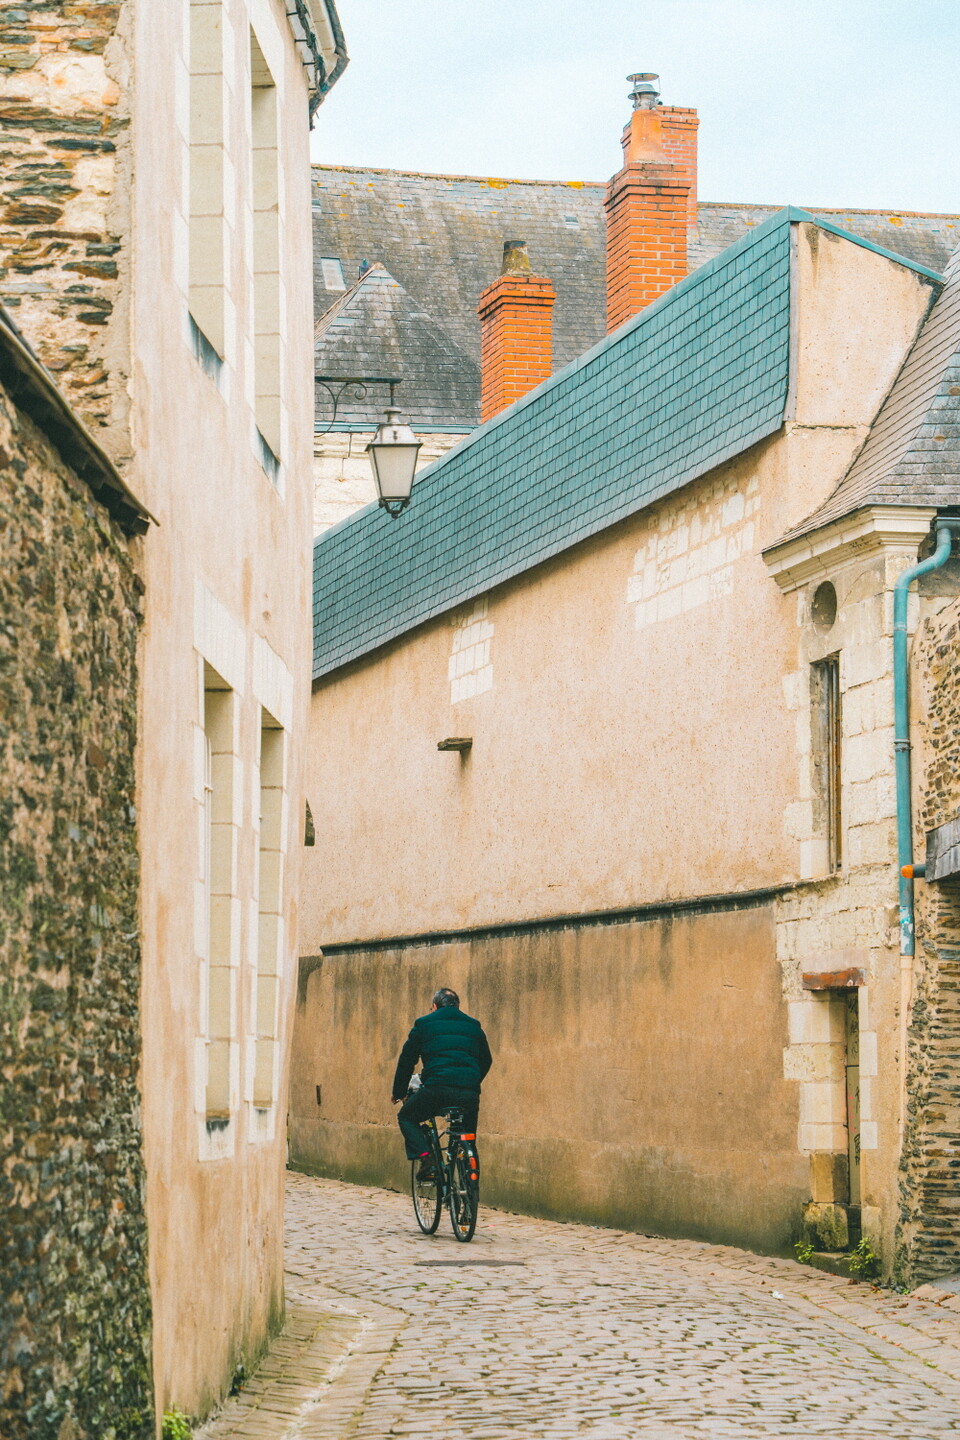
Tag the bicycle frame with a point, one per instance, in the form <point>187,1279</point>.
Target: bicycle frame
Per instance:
<point>456,1168</point>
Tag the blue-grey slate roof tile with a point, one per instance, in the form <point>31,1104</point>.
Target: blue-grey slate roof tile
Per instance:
<point>692,381</point>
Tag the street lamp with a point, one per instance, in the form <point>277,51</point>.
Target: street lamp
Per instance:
<point>393,449</point>
<point>393,456</point>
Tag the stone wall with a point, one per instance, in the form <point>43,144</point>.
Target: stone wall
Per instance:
<point>929,1235</point>
<point>63,132</point>
<point>74,1298</point>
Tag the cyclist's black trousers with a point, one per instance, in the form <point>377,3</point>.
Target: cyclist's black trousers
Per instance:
<point>430,1100</point>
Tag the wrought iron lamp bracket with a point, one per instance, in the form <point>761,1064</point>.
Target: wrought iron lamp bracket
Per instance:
<point>337,386</point>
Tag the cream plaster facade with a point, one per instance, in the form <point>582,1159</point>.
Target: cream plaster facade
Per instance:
<point>647,742</point>
<point>183,333</point>
<point>221,336</point>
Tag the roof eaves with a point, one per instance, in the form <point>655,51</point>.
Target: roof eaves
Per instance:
<point>318,38</point>
<point>34,391</point>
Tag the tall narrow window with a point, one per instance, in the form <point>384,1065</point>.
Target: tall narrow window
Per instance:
<point>270,906</point>
<point>220,861</point>
<point>826,736</point>
<point>208,237</point>
<point>266,249</point>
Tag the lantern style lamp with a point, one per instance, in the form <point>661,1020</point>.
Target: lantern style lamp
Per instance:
<point>393,456</point>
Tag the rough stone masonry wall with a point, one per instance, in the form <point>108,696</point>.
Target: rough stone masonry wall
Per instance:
<point>930,1167</point>
<point>74,1296</point>
<point>63,130</point>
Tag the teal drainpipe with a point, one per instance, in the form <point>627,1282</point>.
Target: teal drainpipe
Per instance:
<point>901,725</point>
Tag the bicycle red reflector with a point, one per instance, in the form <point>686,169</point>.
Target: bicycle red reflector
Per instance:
<point>468,1137</point>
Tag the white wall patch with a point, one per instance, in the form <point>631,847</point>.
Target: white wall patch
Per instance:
<point>470,668</point>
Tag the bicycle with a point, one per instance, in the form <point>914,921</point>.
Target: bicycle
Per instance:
<point>455,1181</point>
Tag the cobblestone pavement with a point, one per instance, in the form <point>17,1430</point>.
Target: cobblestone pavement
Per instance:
<point>549,1332</point>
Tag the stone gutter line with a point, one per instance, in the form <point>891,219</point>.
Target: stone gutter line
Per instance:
<point>34,391</point>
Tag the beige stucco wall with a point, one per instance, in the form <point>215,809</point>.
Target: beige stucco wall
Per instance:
<point>641,723</point>
<point>637,1076</point>
<point>227,577</point>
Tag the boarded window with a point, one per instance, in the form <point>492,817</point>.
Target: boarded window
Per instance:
<point>826,756</point>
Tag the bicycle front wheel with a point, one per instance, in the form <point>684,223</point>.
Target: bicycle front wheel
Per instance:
<point>464,1198</point>
<point>427,1200</point>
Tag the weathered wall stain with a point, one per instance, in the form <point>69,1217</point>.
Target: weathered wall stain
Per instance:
<point>637,1080</point>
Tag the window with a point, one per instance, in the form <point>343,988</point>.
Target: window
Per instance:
<point>220,885</point>
<point>266,248</point>
<point>207,260</point>
<point>332,272</point>
<point>826,745</point>
<point>269,952</point>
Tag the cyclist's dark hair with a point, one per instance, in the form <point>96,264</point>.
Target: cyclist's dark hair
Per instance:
<point>445,996</point>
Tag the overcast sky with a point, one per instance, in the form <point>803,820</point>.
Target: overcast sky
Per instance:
<point>805,102</point>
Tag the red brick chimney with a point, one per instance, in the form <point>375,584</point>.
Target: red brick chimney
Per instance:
<point>515,332</point>
<point>651,203</point>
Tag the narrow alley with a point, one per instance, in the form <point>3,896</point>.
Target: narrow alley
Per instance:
<point>554,1331</point>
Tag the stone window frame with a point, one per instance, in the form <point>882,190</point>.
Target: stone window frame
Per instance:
<point>220,657</point>
<point>267,955</point>
<point>273,691</point>
<point>209,179</point>
<point>266,286</point>
<point>219,791</point>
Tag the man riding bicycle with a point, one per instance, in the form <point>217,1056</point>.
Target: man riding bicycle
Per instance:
<point>455,1056</point>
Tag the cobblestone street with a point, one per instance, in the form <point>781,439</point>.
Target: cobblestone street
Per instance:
<point>549,1331</point>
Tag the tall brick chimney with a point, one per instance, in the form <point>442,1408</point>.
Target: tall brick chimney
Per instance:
<point>651,203</point>
<point>515,332</point>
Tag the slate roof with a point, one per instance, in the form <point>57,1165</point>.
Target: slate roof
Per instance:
<point>376,328</point>
<point>441,237</point>
<point>696,378</point>
<point>912,454</point>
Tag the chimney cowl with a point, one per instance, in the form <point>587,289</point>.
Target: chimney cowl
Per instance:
<point>516,261</point>
<point>645,94</point>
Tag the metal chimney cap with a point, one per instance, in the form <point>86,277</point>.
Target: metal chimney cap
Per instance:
<point>645,93</point>
<point>516,261</point>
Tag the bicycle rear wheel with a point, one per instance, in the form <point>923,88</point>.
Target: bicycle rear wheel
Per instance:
<point>427,1199</point>
<point>464,1198</point>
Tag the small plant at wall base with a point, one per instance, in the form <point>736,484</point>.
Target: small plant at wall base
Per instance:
<point>803,1251</point>
<point>176,1426</point>
<point>864,1260</point>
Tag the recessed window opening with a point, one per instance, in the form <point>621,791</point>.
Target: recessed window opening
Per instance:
<point>207,220</point>
<point>266,248</point>
<point>826,756</point>
<point>270,906</point>
<point>332,272</point>
<point>219,861</point>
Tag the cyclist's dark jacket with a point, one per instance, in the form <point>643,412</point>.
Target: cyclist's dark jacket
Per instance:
<point>453,1049</point>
